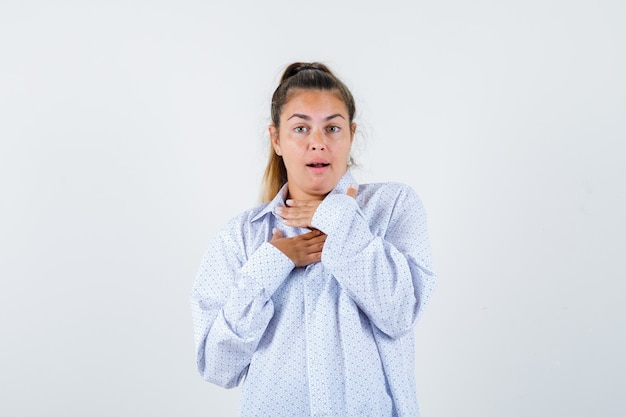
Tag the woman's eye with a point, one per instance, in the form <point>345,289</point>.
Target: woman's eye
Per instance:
<point>300,129</point>
<point>333,129</point>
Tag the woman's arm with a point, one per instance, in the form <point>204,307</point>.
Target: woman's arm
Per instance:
<point>390,276</point>
<point>231,304</point>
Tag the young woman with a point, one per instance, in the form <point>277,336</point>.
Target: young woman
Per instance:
<point>311,298</point>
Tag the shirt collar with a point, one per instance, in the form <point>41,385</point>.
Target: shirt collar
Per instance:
<point>279,200</point>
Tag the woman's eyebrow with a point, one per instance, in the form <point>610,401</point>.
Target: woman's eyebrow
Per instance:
<point>305,117</point>
<point>301,116</point>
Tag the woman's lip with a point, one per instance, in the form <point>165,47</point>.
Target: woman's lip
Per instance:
<point>318,168</point>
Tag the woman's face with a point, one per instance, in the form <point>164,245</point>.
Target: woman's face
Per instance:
<point>314,139</point>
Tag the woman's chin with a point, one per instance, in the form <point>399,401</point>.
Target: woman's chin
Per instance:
<point>313,190</point>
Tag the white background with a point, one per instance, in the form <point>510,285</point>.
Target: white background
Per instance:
<point>130,131</point>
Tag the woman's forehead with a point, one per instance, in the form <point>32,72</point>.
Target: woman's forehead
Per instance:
<point>315,101</point>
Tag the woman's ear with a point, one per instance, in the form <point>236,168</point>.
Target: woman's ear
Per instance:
<point>352,131</point>
<point>274,138</point>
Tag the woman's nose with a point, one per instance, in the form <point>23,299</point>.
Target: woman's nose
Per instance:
<point>317,141</point>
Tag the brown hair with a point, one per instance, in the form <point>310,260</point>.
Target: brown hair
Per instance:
<point>298,76</point>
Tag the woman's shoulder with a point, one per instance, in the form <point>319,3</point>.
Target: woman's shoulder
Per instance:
<point>241,230</point>
<point>248,216</point>
<point>388,190</point>
<point>389,199</point>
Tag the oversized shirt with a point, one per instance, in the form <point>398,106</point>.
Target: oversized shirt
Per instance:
<point>334,338</point>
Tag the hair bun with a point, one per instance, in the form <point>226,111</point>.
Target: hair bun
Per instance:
<point>298,67</point>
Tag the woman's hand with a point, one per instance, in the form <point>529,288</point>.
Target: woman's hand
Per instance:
<point>307,248</point>
<point>299,213</point>
<point>304,249</point>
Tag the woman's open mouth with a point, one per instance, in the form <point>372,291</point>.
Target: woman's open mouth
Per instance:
<point>318,168</point>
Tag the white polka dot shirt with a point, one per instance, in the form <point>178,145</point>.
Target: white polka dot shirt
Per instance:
<point>334,338</point>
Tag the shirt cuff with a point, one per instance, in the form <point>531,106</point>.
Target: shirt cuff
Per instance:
<point>332,212</point>
<point>267,268</point>
<point>348,233</point>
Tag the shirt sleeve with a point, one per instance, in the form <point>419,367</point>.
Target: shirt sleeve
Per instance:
<point>389,275</point>
<point>231,305</point>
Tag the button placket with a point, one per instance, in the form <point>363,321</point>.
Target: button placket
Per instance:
<point>321,402</point>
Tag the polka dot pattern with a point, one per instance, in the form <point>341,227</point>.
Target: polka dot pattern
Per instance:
<point>334,338</point>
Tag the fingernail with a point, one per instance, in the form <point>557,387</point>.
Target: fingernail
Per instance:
<point>278,210</point>
<point>289,202</point>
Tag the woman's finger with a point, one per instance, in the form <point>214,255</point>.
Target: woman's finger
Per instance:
<point>353,190</point>
<point>302,203</point>
<point>276,234</point>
